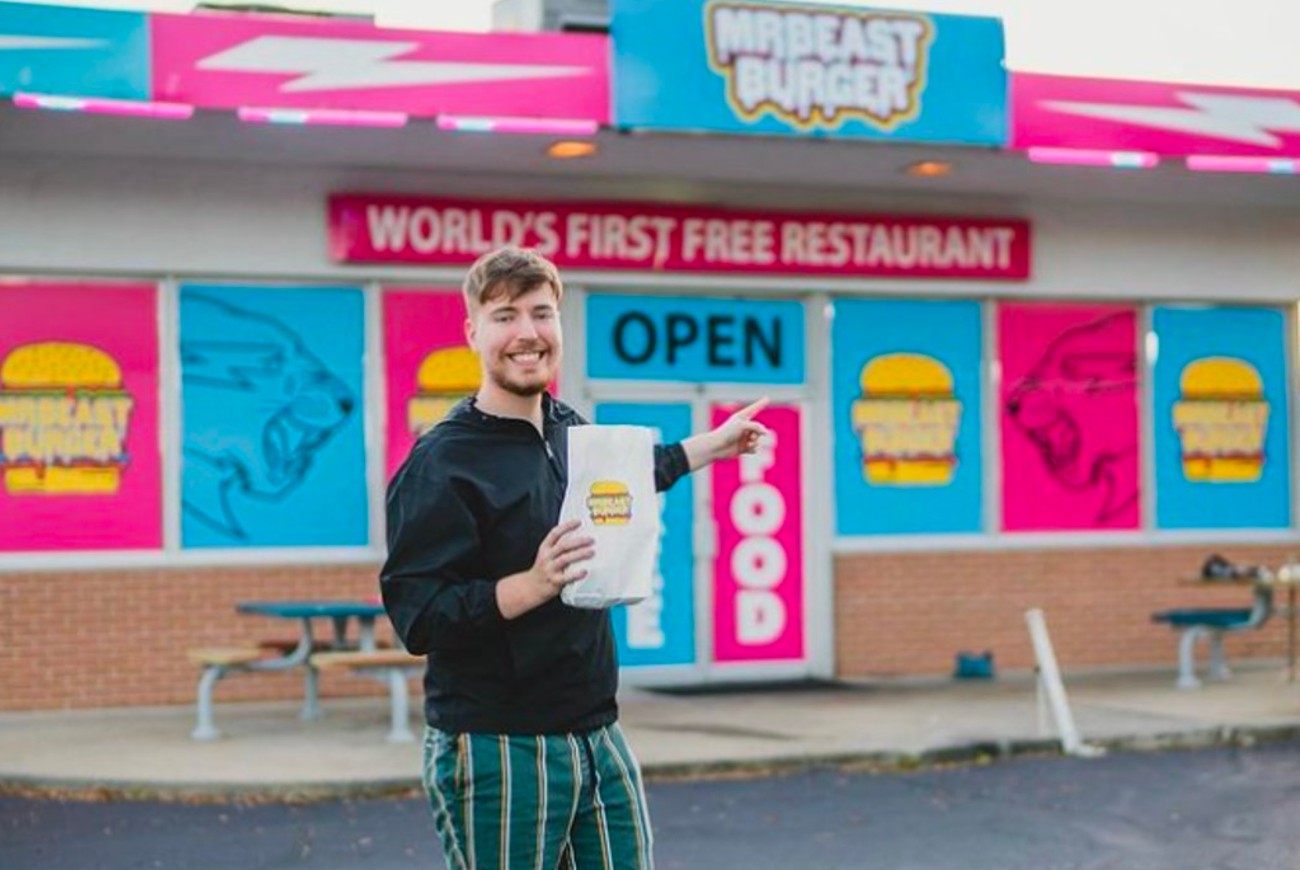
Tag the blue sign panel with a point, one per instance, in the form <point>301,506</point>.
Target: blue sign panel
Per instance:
<point>739,66</point>
<point>906,390</point>
<point>1221,410</point>
<point>661,629</point>
<point>74,52</point>
<point>698,340</point>
<point>273,398</point>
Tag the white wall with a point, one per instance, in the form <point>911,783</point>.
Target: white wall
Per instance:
<point>106,216</point>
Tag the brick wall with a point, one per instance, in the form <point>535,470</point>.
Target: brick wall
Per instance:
<point>908,614</point>
<point>118,638</point>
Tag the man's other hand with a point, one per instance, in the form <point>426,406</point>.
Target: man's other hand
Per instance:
<point>740,433</point>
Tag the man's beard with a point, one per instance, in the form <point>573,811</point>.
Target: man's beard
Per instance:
<point>526,391</point>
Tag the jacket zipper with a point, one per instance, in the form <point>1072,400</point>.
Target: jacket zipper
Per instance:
<point>550,456</point>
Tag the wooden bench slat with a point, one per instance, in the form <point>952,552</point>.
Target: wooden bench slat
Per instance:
<point>286,645</point>
<point>356,659</point>
<point>226,655</point>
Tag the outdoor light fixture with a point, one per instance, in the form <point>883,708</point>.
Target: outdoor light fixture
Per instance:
<point>1086,157</point>
<point>929,169</point>
<point>103,106</point>
<point>568,149</point>
<point>545,126</point>
<point>332,117</point>
<point>1266,165</point>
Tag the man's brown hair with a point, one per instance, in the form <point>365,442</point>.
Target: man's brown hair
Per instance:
<point>509,272</point>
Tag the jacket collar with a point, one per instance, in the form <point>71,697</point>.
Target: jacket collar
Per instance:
<point>554,412</point>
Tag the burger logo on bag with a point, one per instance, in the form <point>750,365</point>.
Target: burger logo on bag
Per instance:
<point>1222,421</point>
<point>444,378</point>
<point>609,503</point>
<point>63,420</point>
<point>907,421</point>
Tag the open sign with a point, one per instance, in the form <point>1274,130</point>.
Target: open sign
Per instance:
<point>694,340</point>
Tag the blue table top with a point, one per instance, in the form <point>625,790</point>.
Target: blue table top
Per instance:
<point>301,609</point>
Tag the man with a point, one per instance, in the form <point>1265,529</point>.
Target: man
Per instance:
<point>525,764</point>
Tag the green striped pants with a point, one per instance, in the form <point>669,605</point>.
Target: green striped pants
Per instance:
<point>568,801</point>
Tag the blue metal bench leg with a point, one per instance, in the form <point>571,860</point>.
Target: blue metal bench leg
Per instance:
<point>204,729</point>
<point>1218,661</point>
<point>399,708</point>
<point>1187,658</point>
<point>311,696</point>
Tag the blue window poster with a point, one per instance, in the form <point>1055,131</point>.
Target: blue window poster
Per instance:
<point>695,339</point>
<point>906,394</point>
<point>661,630</point>
<point>272,389</point>
<point>1221,418</point>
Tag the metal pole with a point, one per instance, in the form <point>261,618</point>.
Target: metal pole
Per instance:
<point>1049,677</point>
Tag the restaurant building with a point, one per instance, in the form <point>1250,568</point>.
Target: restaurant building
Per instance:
<point>230,249</point>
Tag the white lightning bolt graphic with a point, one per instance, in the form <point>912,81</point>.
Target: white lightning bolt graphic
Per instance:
<point>14,42</point>
<point>339,64</point>
<point>1219,116</point>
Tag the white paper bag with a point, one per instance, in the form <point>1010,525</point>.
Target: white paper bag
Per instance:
<point>612,492</point>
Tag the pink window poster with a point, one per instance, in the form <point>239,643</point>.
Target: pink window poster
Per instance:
<point>427,364</point>
<point>758,575</point>
<point>1069,417</point>
<point>79,439</point>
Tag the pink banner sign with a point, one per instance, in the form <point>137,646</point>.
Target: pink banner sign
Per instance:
<point>419,231</point>
<point>1166,119</point>
<point>427,364</point>
<point>79,446</point>
<point>218,60</point>
<point>758,577</point>
<point>1069,417</point>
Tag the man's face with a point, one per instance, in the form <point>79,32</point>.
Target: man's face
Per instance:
<point>519,341</point>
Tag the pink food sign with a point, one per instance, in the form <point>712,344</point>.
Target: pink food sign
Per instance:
<point>379,228</point>
<point>218,60</point>
<point>426,362</point>
<point>1162,118</point>
<point>758,577</point>
<point>1069,417</point>
<point>80,465</point>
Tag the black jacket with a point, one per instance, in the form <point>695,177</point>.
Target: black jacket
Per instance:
<point>469,506</point>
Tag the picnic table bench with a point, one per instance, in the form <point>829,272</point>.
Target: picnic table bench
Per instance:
<point>283,654</point>
<point>1213,623</point>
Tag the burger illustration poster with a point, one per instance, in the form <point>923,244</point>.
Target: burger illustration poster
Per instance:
<point>907,420</point>
<point>428,367</point>
<point>907,412</point>
<point>79,461</point>
<point>1222,457</point>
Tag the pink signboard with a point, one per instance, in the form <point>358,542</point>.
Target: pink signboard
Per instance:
<point>79,444</point>
<point>417,230</point>
<point>1069,417</point>
<point>1167,119</point>
<point>218,60</point>
<point>758,576</point>
<point>428,367</point>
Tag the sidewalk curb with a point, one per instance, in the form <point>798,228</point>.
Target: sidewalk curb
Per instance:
<point>885,761</point>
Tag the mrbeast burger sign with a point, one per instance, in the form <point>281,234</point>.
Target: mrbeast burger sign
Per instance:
<point>802,69</point>
<point>817,69</point>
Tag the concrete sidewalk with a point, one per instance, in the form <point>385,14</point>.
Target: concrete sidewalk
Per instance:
<point>268,753</point>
